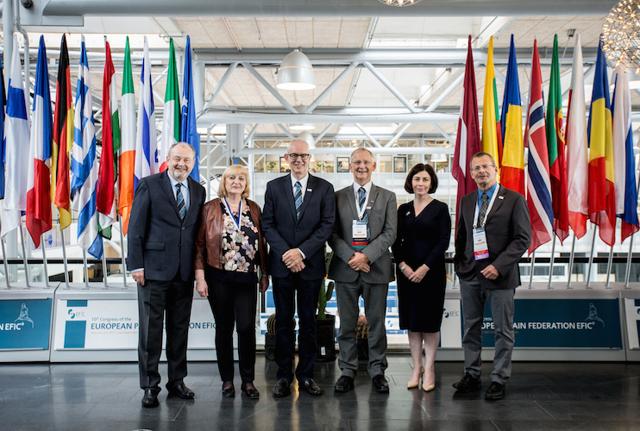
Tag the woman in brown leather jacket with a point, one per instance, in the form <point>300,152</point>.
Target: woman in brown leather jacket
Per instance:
<point>230,247</point>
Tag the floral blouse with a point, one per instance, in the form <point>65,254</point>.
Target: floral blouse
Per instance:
<point>239,247</point>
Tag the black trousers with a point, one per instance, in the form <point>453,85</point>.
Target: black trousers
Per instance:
<point>154,299</point>
<point>234,303</point>
<point>285,292</point>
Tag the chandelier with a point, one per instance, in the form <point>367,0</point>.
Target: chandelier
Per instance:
<point>621,34</point>
<point>399,3</point>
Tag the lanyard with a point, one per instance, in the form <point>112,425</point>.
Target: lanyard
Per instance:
<point>236,223</point>
<point>475,216</point>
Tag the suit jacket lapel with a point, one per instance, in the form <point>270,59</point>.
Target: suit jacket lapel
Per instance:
<point>497,203</point>
<point>373,195</point>
<point>192,198</point>
<point>166,186</point>
<point>311,182</point>
<point>351,198</point>
<point>288,192</point>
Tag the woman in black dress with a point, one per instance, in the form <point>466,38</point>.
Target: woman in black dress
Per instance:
<point>424,229</point>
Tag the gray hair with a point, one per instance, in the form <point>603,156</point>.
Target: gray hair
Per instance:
<point>365,149</point>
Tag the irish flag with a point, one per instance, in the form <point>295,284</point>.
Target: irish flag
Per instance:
<point>128,142</point>
<point>491,128</point>
<point>171,114</point>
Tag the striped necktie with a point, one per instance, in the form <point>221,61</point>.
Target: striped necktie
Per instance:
<point>297,197</point>
<point>482,214</point>
<point>362,199</point>
<point>182,207</point>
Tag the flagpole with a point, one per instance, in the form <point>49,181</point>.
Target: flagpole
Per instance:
<point>573,248</point>
<point>104,269</point>
<point>609,263</point>
<point>44,262</point>
<point>86,268</point>
<point>4,262</point>
<point>628,268</point>
<point>124,269</point>
<point>64,256</point>
<point>533,261</point>
<point>553,250</point>
<point>24,254</point>
<point>593,243</point>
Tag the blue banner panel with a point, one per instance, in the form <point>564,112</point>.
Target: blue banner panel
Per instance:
<point>561,323</point>
<point>25,323</point>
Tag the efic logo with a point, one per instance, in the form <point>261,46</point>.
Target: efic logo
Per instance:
<point>19,323</point>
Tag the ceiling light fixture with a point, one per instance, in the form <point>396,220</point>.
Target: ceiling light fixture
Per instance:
<point>296,72</point>
<point>621,34</point>
<point>399,3</point>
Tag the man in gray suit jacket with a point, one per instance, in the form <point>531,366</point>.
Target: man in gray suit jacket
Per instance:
<point>492,234</point>
<point>365,228</point>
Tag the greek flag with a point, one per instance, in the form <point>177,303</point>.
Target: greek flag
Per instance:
<point>84,166</point>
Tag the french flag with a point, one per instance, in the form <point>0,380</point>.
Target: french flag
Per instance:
<point>39,176</point>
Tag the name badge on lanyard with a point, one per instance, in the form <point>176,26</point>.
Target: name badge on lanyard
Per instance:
<point>360,229</point>
<point>480,247</point>
<point>237,236</point>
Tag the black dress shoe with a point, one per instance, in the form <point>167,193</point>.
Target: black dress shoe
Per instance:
<point>380,384</point>
<point>495,391</point>
<point>250,391</point>
<point>150,398</point>
<point>344,384</point>
<point>311,387</point>
<point>228,390</point>
<point>180,390</point>
<point>467,384</point>
<point>282,388</point>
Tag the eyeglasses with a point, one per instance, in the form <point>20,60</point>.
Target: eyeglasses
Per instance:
<point>303,156</point>
<point>482,167</point>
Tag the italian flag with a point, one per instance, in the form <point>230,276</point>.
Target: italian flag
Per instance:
<point>171,115</point>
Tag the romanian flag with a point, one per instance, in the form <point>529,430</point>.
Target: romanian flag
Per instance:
<point>512,169</point>
<point>491,128</point>
<point>601,194</point>
<point>171,111</point>
<point>625,164</point>
<point>106,187</point>
<point>468,137</point>
<point>128,142</point>
<point>62,138</point>
<point>576,140</point>
<point>555,145</point>
<point>39,177</point>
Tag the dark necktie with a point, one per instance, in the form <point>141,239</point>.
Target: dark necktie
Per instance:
<point>483,208</point>
<point>182,207</point>
<point>362,199</point>
<point>297,197</point>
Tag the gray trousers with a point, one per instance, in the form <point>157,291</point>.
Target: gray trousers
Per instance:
<point>502,307</point>
<point>375,307</point>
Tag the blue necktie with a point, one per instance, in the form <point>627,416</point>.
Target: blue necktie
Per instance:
<point>182,207</point>
<point>297,197</point>
<point>362,199</point>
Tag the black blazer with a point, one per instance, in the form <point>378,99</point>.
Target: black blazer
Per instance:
<point>159,241</point>
<point>508,234</point>
<point>283,231</point>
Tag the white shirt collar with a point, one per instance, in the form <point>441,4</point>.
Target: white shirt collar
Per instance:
<point>303,181</point>
<point>184,183</point>
<point>367,188</point>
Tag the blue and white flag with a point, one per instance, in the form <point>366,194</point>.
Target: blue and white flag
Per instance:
<point>17,138</point>
<point>3,104</point>
<point>188,127</point>
<point>146,140</point>
<point>84,166</point>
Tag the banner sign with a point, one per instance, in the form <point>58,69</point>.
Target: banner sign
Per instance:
<point>25,324</point>
<point>112,324</point>
<point>561,323</point>
<point>632,311</point>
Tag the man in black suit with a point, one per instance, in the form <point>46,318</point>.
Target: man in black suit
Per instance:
<point>164,221</point>
<point>298,216</point>
<point>492,234</point>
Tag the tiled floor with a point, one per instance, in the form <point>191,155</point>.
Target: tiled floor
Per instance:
<point>540,396</point>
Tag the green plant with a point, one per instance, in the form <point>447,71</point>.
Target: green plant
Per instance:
<point>326,291</point>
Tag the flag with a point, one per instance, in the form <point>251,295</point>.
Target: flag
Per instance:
<point>601,194</point>
<point>625,165</point>
<point>468,136</point>
<point>188,127</point>
<point>512,169</point>
<point>39,177</point>
<point>538,181</point>
<point>555,144</point>
<point>16,135</point>
<point>3,104</point>
<point>62,139</point>
<point>491,128</point>
<point>106,187</point>
<point>146,143</point>
<point>128,143</point>
<point>84,166</point>
<point>171,111</point>
<point>576,141</point>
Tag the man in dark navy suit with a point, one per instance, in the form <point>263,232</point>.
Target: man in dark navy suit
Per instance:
<point>298,216</point>
<point>164,220</point>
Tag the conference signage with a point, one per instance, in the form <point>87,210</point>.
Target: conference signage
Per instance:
<point>106,324</point>
<point>562,323</point>
<point>25,324</point>
<point>632,311</point>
